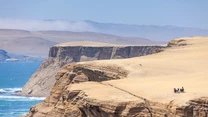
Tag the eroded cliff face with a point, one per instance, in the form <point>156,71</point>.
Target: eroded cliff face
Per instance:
<point>135,87</point>
<point>67,101</point>
<point>82,53</point>
<point>44,78</point>
<point>195,108</point>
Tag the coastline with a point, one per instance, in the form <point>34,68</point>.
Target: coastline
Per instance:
<point>13,76</point>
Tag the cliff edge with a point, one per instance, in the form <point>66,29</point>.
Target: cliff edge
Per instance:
<point>134,87</point>
<point>43,79</point>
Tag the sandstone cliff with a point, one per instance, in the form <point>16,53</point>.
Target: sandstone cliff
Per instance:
<point>37,43</point>
<point>65,101</point>
<point>44,78</point>
<point>68,100</point>
<point>134,87</point>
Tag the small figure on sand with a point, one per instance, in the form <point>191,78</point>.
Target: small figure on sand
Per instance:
<point>179,90</point>
<point>182,90</point>
<point>175,90</point>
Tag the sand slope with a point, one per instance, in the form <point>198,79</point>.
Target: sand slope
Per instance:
<point>155,76</point>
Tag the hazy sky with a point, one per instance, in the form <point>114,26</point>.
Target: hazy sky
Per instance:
<point>188,13</point>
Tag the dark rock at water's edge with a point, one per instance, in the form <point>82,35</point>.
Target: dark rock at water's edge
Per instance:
<point>3,55</point>
<point>10,57</point>
<point>23,58</point>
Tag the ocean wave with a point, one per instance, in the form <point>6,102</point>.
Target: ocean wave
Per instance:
<point>20,98</point>
<point>13,114</point>
<point>10,90</point>
<point>2,91</point>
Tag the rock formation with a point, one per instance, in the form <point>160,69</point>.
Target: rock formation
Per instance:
<point>64,101</point>
<point>44,78</point>
<point>134,87</point>
<point>3,55</point>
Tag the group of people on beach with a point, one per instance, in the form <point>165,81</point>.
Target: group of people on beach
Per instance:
<point>179,90</point>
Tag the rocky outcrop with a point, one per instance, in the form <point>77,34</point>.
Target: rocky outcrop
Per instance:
<point>44,78</point>
<point>195,108</point>
<point>64,101</point>
<point>3,55</point>
<point>10,57</point>
<point>177,42</point>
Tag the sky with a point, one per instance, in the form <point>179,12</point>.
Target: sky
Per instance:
<point>186,13</point>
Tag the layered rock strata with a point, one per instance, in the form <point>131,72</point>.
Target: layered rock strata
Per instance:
<point>66,101</point>
<point>44,78</point>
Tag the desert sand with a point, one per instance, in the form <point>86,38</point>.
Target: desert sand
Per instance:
<point>138,87</point>
<point>154,76</point>
<point>97,44</point>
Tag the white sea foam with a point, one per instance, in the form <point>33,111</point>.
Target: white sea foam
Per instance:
<point>20,98</point>
<point>10,90</point>
<point>13,89</point>
<point>2,91</point>
<point>10,94</point>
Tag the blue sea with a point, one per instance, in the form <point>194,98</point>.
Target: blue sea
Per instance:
<point>13,76</point>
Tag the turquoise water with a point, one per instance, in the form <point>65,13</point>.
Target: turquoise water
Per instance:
<point>13,76</point>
